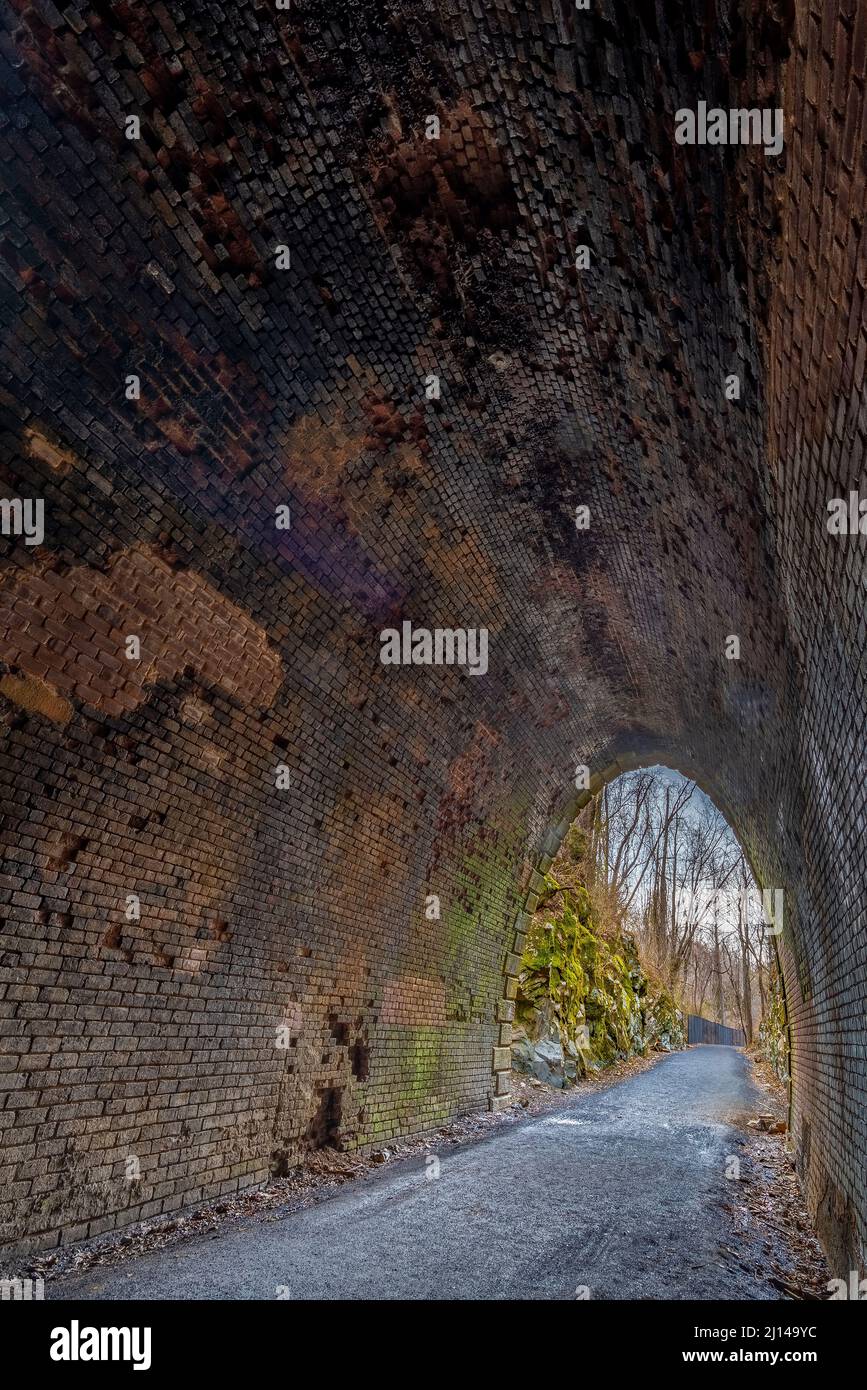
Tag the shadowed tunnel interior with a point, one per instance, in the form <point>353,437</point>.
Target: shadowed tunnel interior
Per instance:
<point>217,944</point>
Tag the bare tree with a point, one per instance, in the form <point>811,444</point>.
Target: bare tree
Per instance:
<point>663,859</point>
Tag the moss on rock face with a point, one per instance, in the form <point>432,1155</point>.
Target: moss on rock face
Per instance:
<point>774,1032</point>
<point>585,993</point>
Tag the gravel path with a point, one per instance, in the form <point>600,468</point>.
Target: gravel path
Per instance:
<point>623,1193</point>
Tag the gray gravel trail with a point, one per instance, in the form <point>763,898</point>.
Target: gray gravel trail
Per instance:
<point>622,1192</point>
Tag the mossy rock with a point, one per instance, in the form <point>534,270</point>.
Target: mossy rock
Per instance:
<point>573,977</point>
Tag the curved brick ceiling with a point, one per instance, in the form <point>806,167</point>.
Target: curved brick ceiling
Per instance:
<point>304,907</point>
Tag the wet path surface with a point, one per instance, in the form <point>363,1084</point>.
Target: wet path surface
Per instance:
<point>622,1193</point>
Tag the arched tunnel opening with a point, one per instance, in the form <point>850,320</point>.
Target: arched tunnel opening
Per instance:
<point>411,419</point>
<point>658,920</point>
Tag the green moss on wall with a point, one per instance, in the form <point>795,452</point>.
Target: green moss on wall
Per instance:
<point>774,1032</point>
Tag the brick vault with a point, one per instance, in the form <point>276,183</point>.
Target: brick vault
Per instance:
<point>219,943</point>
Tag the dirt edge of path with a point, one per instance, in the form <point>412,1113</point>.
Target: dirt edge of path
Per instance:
<point>772,1232</point>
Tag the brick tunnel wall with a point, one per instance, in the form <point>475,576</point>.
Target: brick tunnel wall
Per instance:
<point>286,982</point>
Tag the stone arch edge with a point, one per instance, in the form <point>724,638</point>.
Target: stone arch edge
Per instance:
<point>500,1097</point>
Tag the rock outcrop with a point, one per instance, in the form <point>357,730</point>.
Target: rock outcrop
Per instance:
<point>584,998</point>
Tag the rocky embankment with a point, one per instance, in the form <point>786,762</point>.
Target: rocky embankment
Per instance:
<point>584,999</point>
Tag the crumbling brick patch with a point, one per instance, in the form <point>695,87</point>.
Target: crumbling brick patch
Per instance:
<point>324,1131</point>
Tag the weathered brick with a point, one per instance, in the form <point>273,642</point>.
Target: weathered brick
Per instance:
<point>303,910</point>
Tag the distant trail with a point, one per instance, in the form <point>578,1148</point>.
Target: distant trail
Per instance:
<point>621,1191</point>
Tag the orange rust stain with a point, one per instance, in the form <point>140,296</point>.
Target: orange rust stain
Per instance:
<point>466,556</point>
<point>319,452</point>
<point>71,629</point>
<point>36,696</point>
<point>40,447</point>
<point>464,772</point>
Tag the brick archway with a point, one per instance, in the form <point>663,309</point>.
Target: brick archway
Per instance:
<point>429,388</point>
<point>571,805</point>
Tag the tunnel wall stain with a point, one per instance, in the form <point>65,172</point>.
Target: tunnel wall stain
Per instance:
<point>283,986</point>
